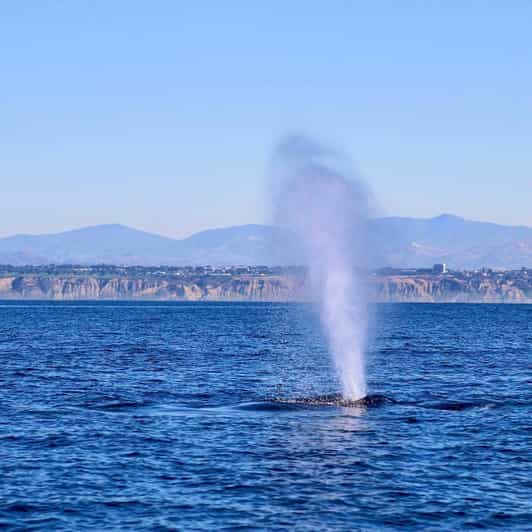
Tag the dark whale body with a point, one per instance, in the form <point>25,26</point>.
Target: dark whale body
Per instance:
<point>373,400</point>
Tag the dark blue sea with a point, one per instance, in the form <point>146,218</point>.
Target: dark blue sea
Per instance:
<point>144,416</point>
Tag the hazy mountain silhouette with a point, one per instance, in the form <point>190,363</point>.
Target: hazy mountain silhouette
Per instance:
<point>460,243</point>
<point>399,242</point>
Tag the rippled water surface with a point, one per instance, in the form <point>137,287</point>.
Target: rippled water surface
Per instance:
<point>167,416</point>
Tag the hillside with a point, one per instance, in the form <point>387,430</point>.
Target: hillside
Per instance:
<point>461,243</point>
<point>398,242</point>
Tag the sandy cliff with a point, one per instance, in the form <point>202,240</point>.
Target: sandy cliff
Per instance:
<point>449,289</point>
<point>260,288</point>
<point>241,288</point>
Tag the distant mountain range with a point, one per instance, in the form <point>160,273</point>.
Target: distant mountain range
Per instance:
<point>399,242</point>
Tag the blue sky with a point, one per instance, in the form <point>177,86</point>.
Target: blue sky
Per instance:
<point>163,115</point>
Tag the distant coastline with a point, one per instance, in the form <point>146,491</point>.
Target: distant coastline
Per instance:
<point>64,283</point>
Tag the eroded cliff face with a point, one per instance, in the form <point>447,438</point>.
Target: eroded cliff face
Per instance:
<point>449,289</point>
<point>429,289</point>
<point>241,288</point>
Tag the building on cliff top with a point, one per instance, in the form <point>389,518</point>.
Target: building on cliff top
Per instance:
<point>439,268</point>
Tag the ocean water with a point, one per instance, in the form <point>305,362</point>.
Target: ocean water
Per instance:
<point>119,416</point>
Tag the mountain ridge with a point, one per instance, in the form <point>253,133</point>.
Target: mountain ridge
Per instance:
<point>400,242</point>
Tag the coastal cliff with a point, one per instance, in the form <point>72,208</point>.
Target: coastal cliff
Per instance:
<point>241,288</point>
<point>386,289</point>
<point>450,289</point>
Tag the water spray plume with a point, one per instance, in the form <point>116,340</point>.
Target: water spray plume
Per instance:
<point>327,212</point>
